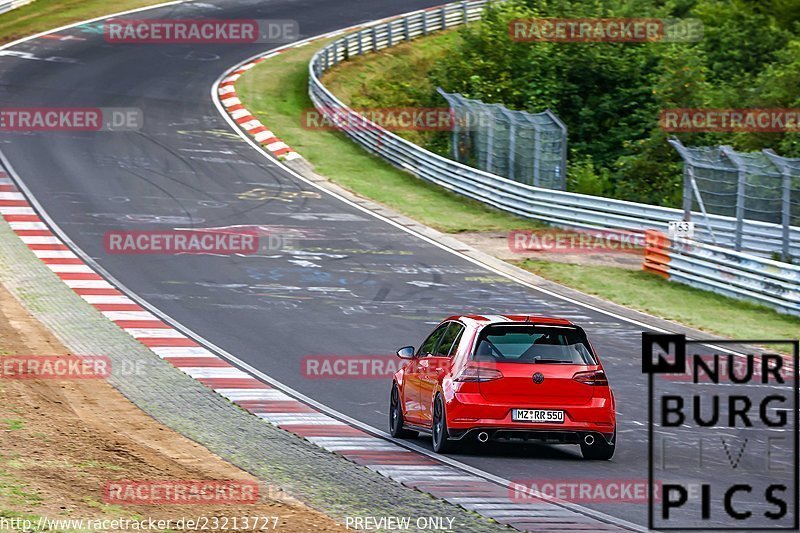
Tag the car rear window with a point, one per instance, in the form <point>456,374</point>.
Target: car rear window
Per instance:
<point>511,343</point>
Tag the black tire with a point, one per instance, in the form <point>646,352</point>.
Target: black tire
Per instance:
<point>439,433</point>
<point>396,428</point>
<point>600,450</point>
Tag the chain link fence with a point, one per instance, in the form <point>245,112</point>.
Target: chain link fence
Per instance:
<point>745,186</point>
<point>525,147</point>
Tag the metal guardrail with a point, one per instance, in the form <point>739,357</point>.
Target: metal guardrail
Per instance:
<point>8,5</point>
<point>555,207</point>
<point>724,271</point>
<point>736,274</point>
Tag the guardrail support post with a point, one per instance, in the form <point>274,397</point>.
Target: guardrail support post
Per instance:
<point>444,18</point>
<point>360,42</point>
<point>389,35</point>
<point>465,10</point>
<point>374,39</point>
<point>335,52</point>
<point>406,29</point>
<point>425,23</point>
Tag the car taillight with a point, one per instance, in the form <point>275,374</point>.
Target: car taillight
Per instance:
<point>477,374</point>
<point>593,377</point>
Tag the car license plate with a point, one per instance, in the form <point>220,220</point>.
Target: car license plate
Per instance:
<point>537,415</point>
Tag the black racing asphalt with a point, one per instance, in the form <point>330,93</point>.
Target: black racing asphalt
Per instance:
<point>357,285</point>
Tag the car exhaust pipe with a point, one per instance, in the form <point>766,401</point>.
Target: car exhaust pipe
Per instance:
<point>483,436</point>
<point>589,440</point>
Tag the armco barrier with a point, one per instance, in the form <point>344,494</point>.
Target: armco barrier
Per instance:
<point>724,271</point>
<point>556,207</point>
<point>8,5</point>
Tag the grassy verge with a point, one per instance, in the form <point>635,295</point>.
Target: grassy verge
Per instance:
<point>397,77</point>
<point>276,92</point>
<point>680,303</point>
<point>44,15</point>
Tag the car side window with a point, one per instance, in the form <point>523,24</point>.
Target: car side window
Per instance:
<point>432,342</point>
<point>450,340</point>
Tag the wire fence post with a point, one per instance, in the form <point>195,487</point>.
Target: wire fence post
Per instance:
<point>490,147</point>
<point>512,151</point>
<point>561,172</point>
<point>741,183</point>
<point>537,143</point>
<point>786,201</point>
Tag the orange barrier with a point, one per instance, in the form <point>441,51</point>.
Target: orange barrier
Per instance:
<point>656,253</point>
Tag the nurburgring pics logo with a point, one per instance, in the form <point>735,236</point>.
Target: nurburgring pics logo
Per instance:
<point>722,447</point>
<point>572,242</point>
<point>730,367</point>
<point>730,120</point>
<point>180,492</point>
<point>196,31</point>
<point>605,30</point>
<point>71,119</point>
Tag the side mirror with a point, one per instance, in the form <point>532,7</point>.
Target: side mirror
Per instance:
<point>406,352</point>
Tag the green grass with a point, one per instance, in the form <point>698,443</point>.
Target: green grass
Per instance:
<point>13,424</point>
<point>397,77</point>
<point>44,15</point>
<point>15,492</point>
<point>276,92</point>
<point>652,294</point>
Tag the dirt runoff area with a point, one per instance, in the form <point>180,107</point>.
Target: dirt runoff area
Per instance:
<point>557,246</point>
<point>63,442</point>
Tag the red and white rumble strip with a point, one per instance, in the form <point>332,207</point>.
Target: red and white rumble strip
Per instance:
<point>243,117</point>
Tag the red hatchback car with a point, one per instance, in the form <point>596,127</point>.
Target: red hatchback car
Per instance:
<point>505,378</point>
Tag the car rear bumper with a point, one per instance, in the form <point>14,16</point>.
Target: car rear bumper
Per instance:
<point>469,415</point>
<point>521,435</point>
